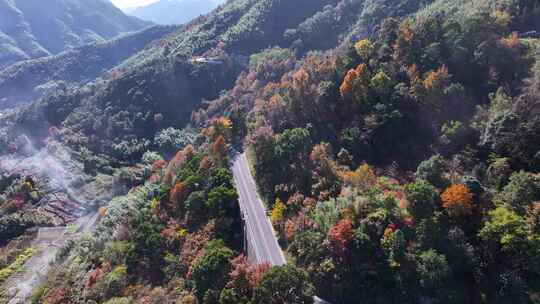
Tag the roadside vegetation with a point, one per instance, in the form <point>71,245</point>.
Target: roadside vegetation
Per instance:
<point>398,157</point>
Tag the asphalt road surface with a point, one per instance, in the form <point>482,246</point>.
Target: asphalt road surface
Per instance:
<point>261,234</point>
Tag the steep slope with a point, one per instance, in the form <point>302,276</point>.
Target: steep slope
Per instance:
<point>25,34</point>
<point>447,89</point>
<point>162,85</point>
<point>450,93</point>
<point>174,11</point>
<point>29,80</point>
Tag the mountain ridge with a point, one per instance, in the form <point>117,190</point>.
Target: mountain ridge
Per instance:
<point>174,11</point>
<point>24,34</point>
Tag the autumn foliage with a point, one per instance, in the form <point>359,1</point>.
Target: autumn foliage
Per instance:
<point>511,41</point>
<point>58,296</point>
<point>340,235</point>
<point>355,85</point>
<point>176,163</point>
<point>457,200</point>
<point>290,229</point>
<point>219,147</point>
<point>178,193</point>
<point>245,276</point>
<point>158,165</point>
<point>437,80</point>
<point>278,211</point>
<point>221,126</point>
<point>363,178</point>
<point>364,48</point>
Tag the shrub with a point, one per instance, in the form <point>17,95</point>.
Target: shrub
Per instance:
<point>362,178</point>
<point>122,300</point>
<point>111,284</point>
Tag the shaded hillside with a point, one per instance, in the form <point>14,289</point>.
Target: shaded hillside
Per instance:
<point>26,34</point>
<point>160,86</point>
<point>28,80</point>
<point>174,11</point>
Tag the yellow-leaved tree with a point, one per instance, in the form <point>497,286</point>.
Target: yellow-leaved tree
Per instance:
<point>278,211</point>
<point>364,48</point>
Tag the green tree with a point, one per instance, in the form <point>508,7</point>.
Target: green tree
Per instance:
<point>506,230</point>
<point>432,170</point>
<point>522,190</point>
<point>212,269</point>
<point>423,199</point>
<point>293,143</point>
<point>221,201</point>
<point>284,284</point>
<point>195,205</point>
<point>381,83</point>
<point>221,177</point>
<point>433,272</point>
<point>145,253</point>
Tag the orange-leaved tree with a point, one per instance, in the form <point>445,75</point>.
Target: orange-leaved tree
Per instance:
<point>221,126</point>
<point>355,85</point>
<point>219,147</point>
<point>457,200</point>
<point>178,193</point>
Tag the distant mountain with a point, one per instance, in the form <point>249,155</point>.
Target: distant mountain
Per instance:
<point>160,86</point>
<point>174,11</point>
<point>25,34</point>
<point>30,79</point>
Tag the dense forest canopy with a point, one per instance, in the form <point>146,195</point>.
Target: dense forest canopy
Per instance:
<point>396,145</point>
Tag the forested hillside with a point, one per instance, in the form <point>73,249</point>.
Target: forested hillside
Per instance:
<point>396,145</point>
<point>31,79</point>
<point>411,156</point>
<point>116,117</point>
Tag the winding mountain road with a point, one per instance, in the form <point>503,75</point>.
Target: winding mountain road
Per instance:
<point>261,237</point>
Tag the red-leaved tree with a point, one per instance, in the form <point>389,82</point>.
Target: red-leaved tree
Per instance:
<point>340,235</point>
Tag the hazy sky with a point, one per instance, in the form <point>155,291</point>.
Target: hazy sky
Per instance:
<point>131,3</point>
<point>123,4</point>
